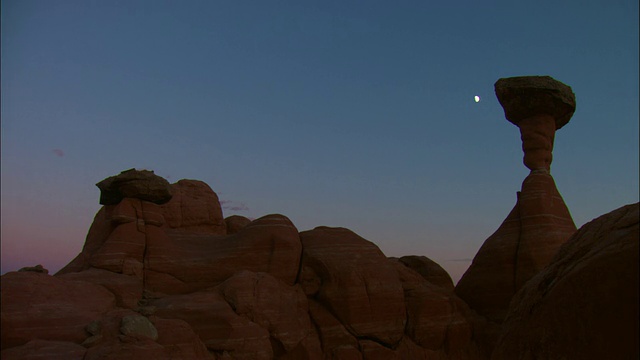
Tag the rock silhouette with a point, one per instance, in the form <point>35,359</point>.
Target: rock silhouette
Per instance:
<point>163,275</point>
<point>540,221</point>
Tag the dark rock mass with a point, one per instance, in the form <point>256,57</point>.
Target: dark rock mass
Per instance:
<point>137,184</point>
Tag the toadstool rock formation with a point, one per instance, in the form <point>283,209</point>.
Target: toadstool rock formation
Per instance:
<point>540,221</point>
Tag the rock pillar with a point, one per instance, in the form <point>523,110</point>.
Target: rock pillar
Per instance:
<point>540,221</point>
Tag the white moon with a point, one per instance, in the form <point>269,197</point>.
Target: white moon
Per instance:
<point>476,98</point>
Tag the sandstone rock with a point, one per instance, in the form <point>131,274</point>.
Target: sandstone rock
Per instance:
<point>337,342</point>
<point>436,318</point>
<point>526,96</point>
<point>584,305</point>
<point>179,340</point>
<point>538,105</point>
<point>39,306</point>
<point>132,183</point>
<point>357,283</point>
<point>138,325</point>
<point>127,289</point>
<point>117,238</point>
<point>184,262</point>
<point>38,268</point>
<point>194,208</point>
<point>371,350</point>
<point>235,223</point>
<point>45,350</point>
<point>275,306</point>
<point>217,325</point>
<point>429,270</point>
<point>522,246</point>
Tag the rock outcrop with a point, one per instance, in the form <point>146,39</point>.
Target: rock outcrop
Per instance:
<point>540,221</point>
<point>137,184</point>
<point>584,305</point>
<point>177,280</point>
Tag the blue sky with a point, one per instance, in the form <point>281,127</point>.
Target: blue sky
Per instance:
<point>336,113</point>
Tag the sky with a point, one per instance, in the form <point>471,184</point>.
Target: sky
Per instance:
<point>333,113</point>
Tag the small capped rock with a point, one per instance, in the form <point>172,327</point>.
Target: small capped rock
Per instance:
<point>38,268</point>
<point>523,97</point>
<point>132,183</point>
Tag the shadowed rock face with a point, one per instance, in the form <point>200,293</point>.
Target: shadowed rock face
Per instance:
<point>584,305</point>
<point>132,183</point>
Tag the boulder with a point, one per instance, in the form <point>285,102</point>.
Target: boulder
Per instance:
<point>355,282</point>
<point>138,325</point>
<point>429,270</point>
<point>38,268</point>
<point>132,183</point>
<point>235,223</point>
<point>584,305</point>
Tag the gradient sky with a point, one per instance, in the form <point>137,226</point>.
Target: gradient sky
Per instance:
<point>336,113</point>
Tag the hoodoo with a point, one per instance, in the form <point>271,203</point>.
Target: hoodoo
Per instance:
<point>540,221</point>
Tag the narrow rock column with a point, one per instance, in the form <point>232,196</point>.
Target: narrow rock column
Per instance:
<point>538,105</point>
<point>540,222</point>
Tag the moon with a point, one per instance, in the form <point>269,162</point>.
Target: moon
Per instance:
<point>476,98</point>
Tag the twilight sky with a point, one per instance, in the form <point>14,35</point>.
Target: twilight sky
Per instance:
<point>337,113</point>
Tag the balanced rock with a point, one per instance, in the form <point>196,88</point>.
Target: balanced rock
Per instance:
<point>538,105</point>
<point>132,183</point>
<point>525,96</point>
<point>540,221</point>
<point>38,268</point>
<point>584,305</point>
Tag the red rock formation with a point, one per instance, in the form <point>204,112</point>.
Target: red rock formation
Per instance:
<point>181,262</point>
<point>522,246</point>
<point>584,305</point>
<point>429,270</point>
<point>194,208</point>
<point>235,223</point>
<point>540,221</point>
<point>355,282</point>
<point>40,306</point>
